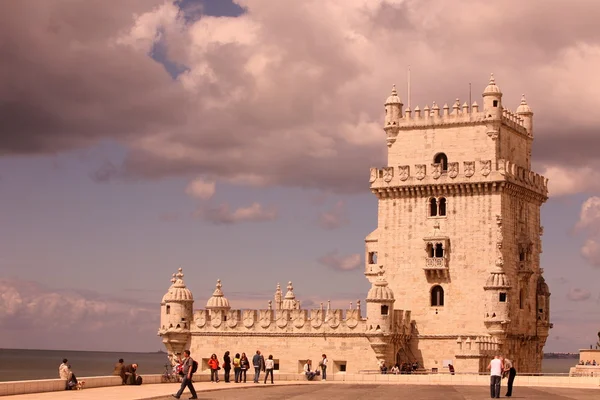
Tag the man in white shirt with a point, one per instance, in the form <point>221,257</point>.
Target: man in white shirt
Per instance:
<point>323,365</point>
<point>496,366</point>
<point>310,375</point>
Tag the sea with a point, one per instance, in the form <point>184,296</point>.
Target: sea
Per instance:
<point>16,364</point>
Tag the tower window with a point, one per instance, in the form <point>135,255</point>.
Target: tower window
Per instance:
<point>441,159</point>
<point>433,207</point>
<point>385,310</point>
<point>168,310</point>
<point>437,296</point>
<point>439,250</point>
<point>372,257</point>
<point>522,299</point>
<point>495,103</point>
<point>430,250</point>
<point>502,297</point>
<point>442,206</point>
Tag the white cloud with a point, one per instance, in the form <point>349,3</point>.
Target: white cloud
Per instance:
<point>201,188</point>
<point>223,214</point>
<point>342,263</point>
<point>567,180</point>
<point>589,224</point>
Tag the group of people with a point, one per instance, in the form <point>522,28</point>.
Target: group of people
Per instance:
<point>403,368</point>
<point>240,365</point>
<point>501,367</point>
<point>65,373</point>
<point>588,362</point>
<point>310,373</point>
<point>128,373</point>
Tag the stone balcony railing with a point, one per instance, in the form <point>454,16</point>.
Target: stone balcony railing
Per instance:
<point>436,263</point>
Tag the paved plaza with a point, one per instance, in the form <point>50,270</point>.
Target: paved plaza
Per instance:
<point>372,392</point>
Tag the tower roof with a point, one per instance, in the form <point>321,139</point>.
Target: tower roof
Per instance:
<point>492,88</point>
<point>218,301</point>
<point>524,107</point>
<point>393,98</point>
<point>289,301</point>
<point>379,290</point>
<point>178,291</point>
<point>497,280</point>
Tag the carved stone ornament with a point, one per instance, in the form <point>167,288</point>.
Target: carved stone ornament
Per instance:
<point>404,172</point>
<point>201,319</point>
<point>216,318</point>
<point>249,318</point>
<point>373,175</point>
<point>453,169</point>
<point>351,319</point>
<point>502,166</point>
<point>437,170</point>
<point>282,318</point>
<point>493,134</point>
<point>265,318</point>
<point>232,318</point>
<point>469,168</point>
<point>317,318</point>
<point>420,173</point>
<point>388,173</point>
<point>334,318</point>
<point>486,167</point>
<point>300,319</point>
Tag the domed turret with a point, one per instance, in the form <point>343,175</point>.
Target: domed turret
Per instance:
<point>492,100</point>
<point>393,114</point>
<point>218,301</point>
<point>524,111</point>
<point>380,292</point>
<point>497,280</point>
<point>178,291</point>
<point>289,301</point>
<point>380,302</point>
<point>497,287</point>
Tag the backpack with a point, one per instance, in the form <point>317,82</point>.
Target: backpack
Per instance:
<point>194,366</point>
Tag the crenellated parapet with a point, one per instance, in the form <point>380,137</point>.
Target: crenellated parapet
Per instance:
<point>477,346</point>
<point>459,177</point>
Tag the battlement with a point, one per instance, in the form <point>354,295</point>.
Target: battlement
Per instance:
<point>407,178</point>
<point>460,115</point>
<point>473,346</point>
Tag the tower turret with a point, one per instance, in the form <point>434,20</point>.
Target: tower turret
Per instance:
<point>393,114</point>
<point>290,302</point>
<point>492,100</point>
<point>380,306</point>
<point>278,297</point>
<point>176,315</point>
<point>496,289</point>
<point>218,301</point>
<point>524,111</point>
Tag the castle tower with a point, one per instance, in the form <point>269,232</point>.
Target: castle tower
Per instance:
<point>218,301</point>
<point>176,316</point>
<point>459,233</point>
<point>380,318</point>
<point>393,114</point>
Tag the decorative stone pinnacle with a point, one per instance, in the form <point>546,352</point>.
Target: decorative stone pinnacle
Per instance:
<point>523,101</point>
<point>173,279</point>
<point>492,79</point>
<point>218,292</point>
<point>270,305</point>
<point>394,92</point>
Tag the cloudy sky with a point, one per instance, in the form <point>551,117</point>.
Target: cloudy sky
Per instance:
<point>234,139</point>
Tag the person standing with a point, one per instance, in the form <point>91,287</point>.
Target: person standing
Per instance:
<point>496,367</point>
<point>244,365</point>
<point>226,366</point>
<point>269,366</point>
<point>258,363</point>
<point>323,365</point>
<point>512,372</point>
<point>188,371</point>
<point>237,368</point>
<point>213,364</point>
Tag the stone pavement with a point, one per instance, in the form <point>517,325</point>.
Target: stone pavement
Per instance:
<point>310,390</point>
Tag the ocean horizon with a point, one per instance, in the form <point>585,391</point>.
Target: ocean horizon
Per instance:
<point>28,364</point>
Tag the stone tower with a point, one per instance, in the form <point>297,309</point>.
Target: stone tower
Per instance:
<point>176,315</point>
<point>459,232</point>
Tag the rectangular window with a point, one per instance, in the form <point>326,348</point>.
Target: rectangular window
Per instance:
<point>275,365</point>
<point>384,310</point>
<point>372,257</point>
<point>502,297</point>
<point>168,310</point>
<point>301,365</point>
<point>339,366</point>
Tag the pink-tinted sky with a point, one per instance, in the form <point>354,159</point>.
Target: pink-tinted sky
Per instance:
<point>233,139</point>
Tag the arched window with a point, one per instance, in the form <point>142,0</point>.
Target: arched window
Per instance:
<point>430,250</point>
<point>442,206</point>
<point>433,207</point>
<point>439,250</point>
<point>168,310</point>
<point>437,296</point>
<point>441,159</point>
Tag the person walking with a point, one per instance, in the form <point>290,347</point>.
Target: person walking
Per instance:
<point>244,365</point>
<point>269,366</point>
<point>226,366</point>
<point>189,366</point>
<point>496,367</point>
<point>237,369</point>
<point>512,372</point>
<point>213,364</point>
<point>323,365</point>
<point>258,363</point>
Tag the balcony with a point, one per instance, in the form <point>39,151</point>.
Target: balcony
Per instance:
<point>436,267</point>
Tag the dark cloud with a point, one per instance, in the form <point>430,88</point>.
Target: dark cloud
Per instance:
<point>287,93</point>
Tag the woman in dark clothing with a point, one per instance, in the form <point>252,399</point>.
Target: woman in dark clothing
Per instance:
<point>244,365</point>
<point>226,366</point>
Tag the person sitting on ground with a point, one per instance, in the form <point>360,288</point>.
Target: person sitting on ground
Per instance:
<point>383,367</point>
<point>129,375</point>
<point>310,375</point>
<point>395,369</point>
<point>118,368</point>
